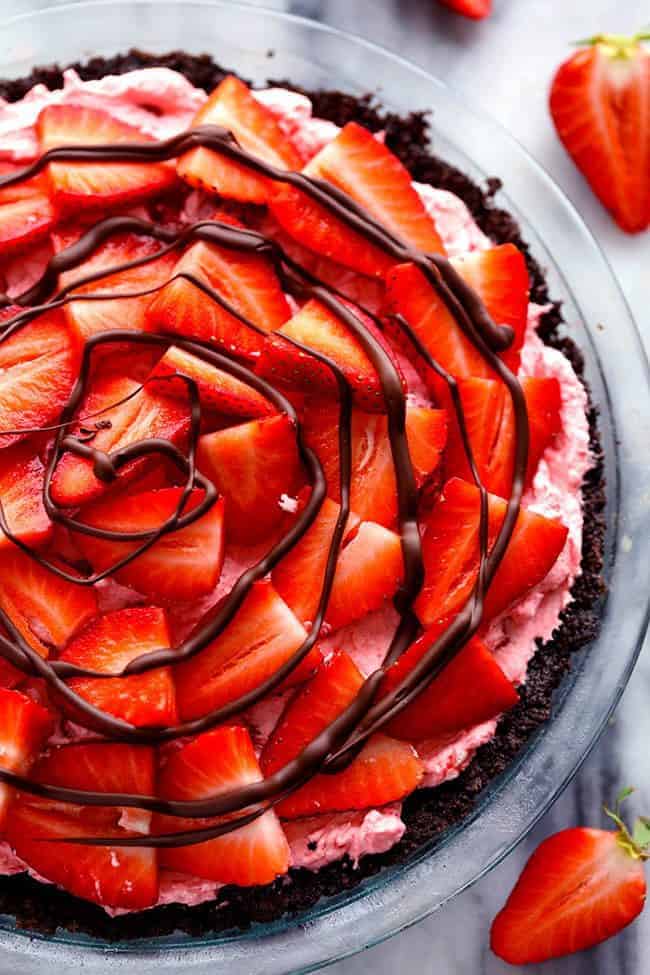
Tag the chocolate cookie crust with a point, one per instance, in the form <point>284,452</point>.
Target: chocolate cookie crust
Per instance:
<point>427,813</point>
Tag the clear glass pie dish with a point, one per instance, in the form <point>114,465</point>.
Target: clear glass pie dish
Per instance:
<point>313,56</point>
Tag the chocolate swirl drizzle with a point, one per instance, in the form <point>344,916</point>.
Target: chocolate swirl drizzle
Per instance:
<point>338,743</point>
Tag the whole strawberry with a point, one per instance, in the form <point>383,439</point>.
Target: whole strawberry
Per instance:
<point>600,103</point>
<point>474,9</point>
<point>579,888</point>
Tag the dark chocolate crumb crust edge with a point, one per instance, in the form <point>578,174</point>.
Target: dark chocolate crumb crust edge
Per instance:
<point>429,812</point>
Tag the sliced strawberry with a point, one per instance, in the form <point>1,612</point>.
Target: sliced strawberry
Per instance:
<point>113,876</point>
<point>311,710</point>
<point>500,278</point>
<point>220,761</point>
<point>255,128</point>
<point>474,9</point>
<point>147,413</point>
<point>107,645</point>
<point>470,690</point>
<point>96,184</point>
<point>450,550</point>
<point>218,390</point>
<point>368,572</point>
<point>366,169</point>
<point>489,421</point>
<point>26,188</point>
<point>600,104</point>
<point>373,492</point>
<point>24,727</point>
<point>181,565</point>
<point>46,609</point>
<point>320,329</point>
<point>21,494</point>
<point>247,281</point>
<point>262,636</point>
<point>23,222</point>
<point>580,887</point>
<point>315,227</point>
<point>38,366</point>
<point>89,318</point>
<point>252,465</point>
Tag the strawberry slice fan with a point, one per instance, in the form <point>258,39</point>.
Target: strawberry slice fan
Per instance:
<point>165,410</point>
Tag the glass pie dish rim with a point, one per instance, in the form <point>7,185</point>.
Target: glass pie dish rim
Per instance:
<point>379,907</point>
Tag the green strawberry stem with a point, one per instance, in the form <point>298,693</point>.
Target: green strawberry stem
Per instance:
<point>637,843</point>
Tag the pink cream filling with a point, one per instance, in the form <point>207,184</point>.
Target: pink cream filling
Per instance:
<point>161,102</point>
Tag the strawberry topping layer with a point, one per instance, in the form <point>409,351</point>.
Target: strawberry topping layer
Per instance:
<point>172,556</point>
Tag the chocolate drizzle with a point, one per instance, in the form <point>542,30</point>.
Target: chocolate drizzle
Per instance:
<point>338,742</point>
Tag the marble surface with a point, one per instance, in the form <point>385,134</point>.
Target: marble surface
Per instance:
<point>504,65</point>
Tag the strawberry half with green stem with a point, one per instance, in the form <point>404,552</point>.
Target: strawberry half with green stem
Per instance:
<point>384,771</point>
<point>233,106</point>
<point>107,645</point>
<point>111,875</point>
<point>133,414</point>
<point>490,425</point>
<point>263,635</point>
<point>365,168</point>
<point>600,104</point>
<point>580,887</point>
<point>373,491</point>
<point>245,280</point>
<point>368,572</point>
<point>24,728</point>
<point>321,329</point>
<point>38,367</point>
<point>252,465</point>
<point>215,762</point>
<point>181,565</point>
<point>75,185</point>
<point>450,550</point>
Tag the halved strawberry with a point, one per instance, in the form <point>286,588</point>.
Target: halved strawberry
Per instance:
<point>450,549</point>
<point>500,278</point>
<point>331,690</point>
<point>368,572</point>
<point>247,281</point>
<point>580,887</point>
<point>474,9</point>
<point>38,366</point>
<point>107,645</point>
<point>322,330</point>
<point>471,689</point>
<point>183,564</point>
<point>373,492</point>
<point>366,169</point>
<point>23,222</point>
<point>216,762</point>
<point>147,413</point>
<point>46,609</point>
<point>24,727</point>
<point>113,876</point>
<point>21,494</point>
<point>489,421</point>
<point>255,128</point>
<point>252,465</point>
<point>315,227</point>
<point>88,318</point>
<point>218,390</point>
<point>96,184</point>
<point>600,104</point>
<point>384,771</point>
<point>262,636</point>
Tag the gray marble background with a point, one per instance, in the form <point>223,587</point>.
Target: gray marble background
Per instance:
<point>504,65</point>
